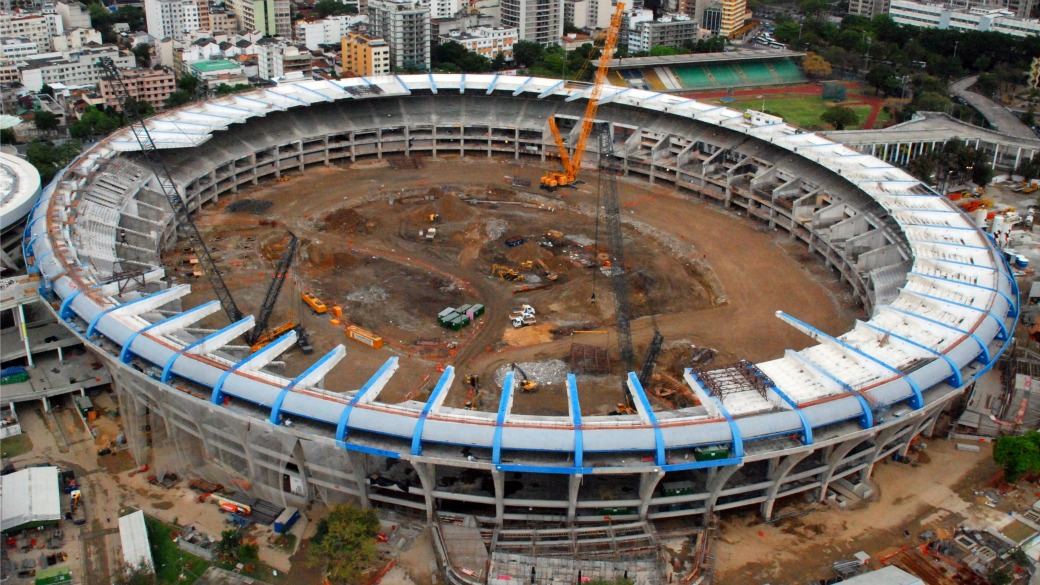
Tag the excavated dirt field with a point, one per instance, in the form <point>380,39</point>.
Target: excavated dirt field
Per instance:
<point>705,276</point>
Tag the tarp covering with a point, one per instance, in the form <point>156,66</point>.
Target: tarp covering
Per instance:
<point>133,535</point>
<point>30,496</point>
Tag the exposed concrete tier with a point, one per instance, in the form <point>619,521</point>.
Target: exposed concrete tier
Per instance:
<point>941,297</point>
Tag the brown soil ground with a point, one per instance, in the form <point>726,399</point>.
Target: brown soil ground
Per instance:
<point>708,276</point>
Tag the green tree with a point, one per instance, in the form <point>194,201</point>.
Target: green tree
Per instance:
<point>248,553</point>
<point>49,158</point>
<point>882,78</point>
<point>345,543</point>
<point>225,89</point>
<point>229,545</point>
<point>190,85</point>
<point>178,98</point>
<point>663,51</point>
<point>840,117</point>
<point>982,174</point>
<point>47,90</point>
<point>7,136</point>
<point>94,122</point>
<point>45,121</point>
<point>1018,455</point>
<point>527,53</point>
<point>324,8</point>
<point>143,52</point>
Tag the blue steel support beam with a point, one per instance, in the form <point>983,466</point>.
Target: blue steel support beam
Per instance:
<point>867,420</point>
<point>1012,306</point>
<point>65,311</point>
<point>174,293</point>
<point>983,348</point>
<point>491,86</point>
<point>127,351</point>
<point>462,84</point>
<point>344,419</point>
<point>433,84</point>
<point>575,407</point>
<point>442,385</point>
<point>916,398</point>
<point>644,406</point>
<point>276,346</point>
<point>165,378</point>
<point>401,82</point>
<point>738,439</point>
<point>807,436</point>
<point>520,89</point>
<point>551,89</point>
<point>956,379</point>
<point>503,411</point>
<point>333,356</point>
<point>1003,328</point>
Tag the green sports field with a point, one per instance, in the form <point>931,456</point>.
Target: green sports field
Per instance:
<point>801,110</point>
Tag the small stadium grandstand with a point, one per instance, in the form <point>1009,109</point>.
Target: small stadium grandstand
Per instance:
<point>708,71</point>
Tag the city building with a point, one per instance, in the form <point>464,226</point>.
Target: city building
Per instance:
<point>667,31</point>
<point>327,31</point>
<point>711,18</point>
<point>76,38</point>
<point>171,18</point>
<point>38,27</point>
<point>539,21</point>
<point>461,22</point>
<point>944,16</point>
<point>572,41</point>
<point>17,48</point>
<point>365,55</point>
<point>271,17</point>
<point>221,20</point>
<point>218,72</point>
<point>70,68</point>
<point>486,41</point>
<point>444,8</point>
<point>73,14</point>
<point>734,15</point>
<point>276,58</point>
<point>593,14</point>
<point>405,25</point>
<point>148,85</point>
<point>868,8</point>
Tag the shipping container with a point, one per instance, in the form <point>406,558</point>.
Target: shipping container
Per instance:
<point>478,310</point>
<point>713,453</point>
<point>678,488</point>
<point>367,337</point>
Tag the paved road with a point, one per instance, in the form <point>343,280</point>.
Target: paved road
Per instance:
<point>1003,120</point>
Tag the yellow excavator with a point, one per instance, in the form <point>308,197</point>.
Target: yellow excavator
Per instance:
<point>572,163</point>
<point>526,384</point>
<point>506,273</point>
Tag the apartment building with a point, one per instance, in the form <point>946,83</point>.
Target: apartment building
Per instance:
<point>365,55</point>
<point>443,8</point>
<point>149,85</point>
<point>327,31</point>
<point>667,31</point>
<point>38,27</point>
<point>539,21</point>
<point>590,13</point>
<point>73,14</point>
<point>486,41</point>
<point>734,15</point>
<point>405,25</point>
<point>76,38</point>
<point>271,17</point>
<point>172,18</point>
<point>71,68</point>
<point>17,48</point>
<point>945,16</point>
<point>277,59</point>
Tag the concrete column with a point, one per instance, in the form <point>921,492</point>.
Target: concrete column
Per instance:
<point>884,156</point>
<point>879,445</point>
<point>500,496</point>
<point>46,404</point>
<point>353,149</point>
<point>357,468</point>
<point>777,474</point>
<point>715,488</point>
<point>647,485</point>
<point>573,486</point>
<point>1018,157</point>
<point>835,459</point>
<point>996,155</point>
<point>23,334</point>
<point>61,354</point>
<point>379,143</point>
<point>433,134</point>
<point>13,412</point>
<point>303,162</point>
<point>928,420</point>
<point>516,144</point>
<point>326,143</point>
<point>427,475</point>
<point>277,152</point>
<point>252,159</point>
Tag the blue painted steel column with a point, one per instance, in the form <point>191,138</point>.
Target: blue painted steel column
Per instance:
<point>738,439</point>
<point>218,389</point>
<point>644,405</point>
<point>276,408</point>
<point>441,386</point>
<point>125,353</point>
<point>503,407</point>
<point>579,440</point>
<point>173,359</point>
<point>344,418</point>
<point>956,379</point>
<point>94,321</point>
<point>491,86</point>
<point>867,420</point>
<point>807,436</point>
<point>916,399</point>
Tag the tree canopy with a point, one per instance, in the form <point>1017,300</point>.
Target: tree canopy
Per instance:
<point>323,8</point>
<point>840,117</point>
<point>345,543</point>
<point>1018,455</point>
<point>50,158</point>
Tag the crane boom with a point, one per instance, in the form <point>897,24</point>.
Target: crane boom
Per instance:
<point>272,290</point>
<point>169,190</point>
<point>552,180</point>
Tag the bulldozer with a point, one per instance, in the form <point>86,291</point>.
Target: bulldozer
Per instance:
<point>526,384</point>
<point>506,273</point>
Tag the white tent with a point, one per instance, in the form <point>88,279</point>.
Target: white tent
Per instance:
<point>133,535</point>
<point>30,497</point>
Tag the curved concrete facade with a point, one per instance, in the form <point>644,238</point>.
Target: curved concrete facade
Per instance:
<point>942,300</point>
<point>19,188</point>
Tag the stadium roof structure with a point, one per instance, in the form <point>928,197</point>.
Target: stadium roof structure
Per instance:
<point>933,331</point>
<point>19,188</point>
<point>697,58</point>
<point>31,498</point>
<point>133,535</point>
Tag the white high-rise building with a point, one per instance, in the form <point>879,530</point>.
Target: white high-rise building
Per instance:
<point>405,25</point>
<point>38,27</point>
<point>590,13</point>
<point>73,14</point>
<point>540,21</point>
<point>271,17</point>
<point>327,31</point>
<point>443,8</point>
<point>171,18</point>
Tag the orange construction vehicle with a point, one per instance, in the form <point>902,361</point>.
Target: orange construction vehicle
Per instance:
<point>572,163</point>
<point>314,302</point>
